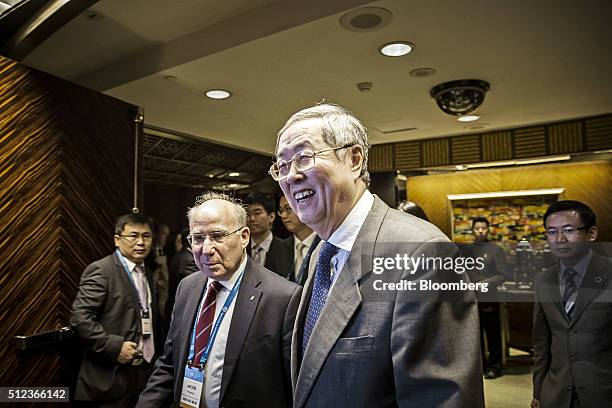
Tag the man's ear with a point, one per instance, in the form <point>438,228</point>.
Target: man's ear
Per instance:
<point>272,216</point>
<point>357,156</point>
<point>245,236</point>
<point>593,233</point>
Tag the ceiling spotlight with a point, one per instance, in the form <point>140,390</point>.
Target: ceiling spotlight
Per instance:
<point>396,48</point>
<point>218,94</point>
<point>422,72</point>
<point>468,118</point>
<point>234,174</point>
<point>460,97</point>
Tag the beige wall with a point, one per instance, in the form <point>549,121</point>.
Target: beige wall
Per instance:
<point>589,182</point>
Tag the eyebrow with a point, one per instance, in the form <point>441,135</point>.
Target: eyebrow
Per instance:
<point>296,148</point>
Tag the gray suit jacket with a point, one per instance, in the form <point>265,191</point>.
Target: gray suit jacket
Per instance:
<point>384,348</point>
<point>256,364</point>
<point>574,353</point>
<point>105,313</point>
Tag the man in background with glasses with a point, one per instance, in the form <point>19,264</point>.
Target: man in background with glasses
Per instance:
<point>572,328</point>
<point>300,244</point>
<point>352,345</point>
<point>230,335</point>
<point>115,313</point>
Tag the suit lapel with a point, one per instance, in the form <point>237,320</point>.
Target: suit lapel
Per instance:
<point>246,304</point>
<point>128,284</point>
<point>595,279</point>
<point>340,306</point>
<point>553,292</point>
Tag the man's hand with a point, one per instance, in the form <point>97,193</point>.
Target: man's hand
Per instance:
<point>535,403</point>
<point>128,348</point>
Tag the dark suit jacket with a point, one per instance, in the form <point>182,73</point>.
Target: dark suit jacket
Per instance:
<point>182,265</point>
<point>278,258</point>
<point>381,349</point>
<point>104,314</point>
<point>256,365</point>
<point>574,353</point>
<point>303,273</point>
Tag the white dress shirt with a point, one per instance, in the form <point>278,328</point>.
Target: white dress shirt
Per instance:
<point>344,237</point>
<point>265,247</point>
<point>213,369</point>
<point>304,247</point>
<point>132,267</point>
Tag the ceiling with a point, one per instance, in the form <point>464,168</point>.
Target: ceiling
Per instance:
<point>546,60</point>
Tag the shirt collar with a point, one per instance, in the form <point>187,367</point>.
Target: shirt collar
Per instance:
<point>265,244</point>
<point>307,241</point>
<point>581,266</point>
<point>344,237</point>
<point>131,265</point>
<point>229,283</point>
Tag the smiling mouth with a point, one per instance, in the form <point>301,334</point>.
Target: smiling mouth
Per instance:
<point>303,195</point>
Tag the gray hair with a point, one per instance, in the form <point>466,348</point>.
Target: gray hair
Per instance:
<point>340,127</point>
<point>239,211</point>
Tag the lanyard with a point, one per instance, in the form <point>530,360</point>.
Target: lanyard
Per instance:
<point>129,274</point>
<point>215,329</point>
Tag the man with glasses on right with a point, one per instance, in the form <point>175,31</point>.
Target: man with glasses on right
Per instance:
<point>572,331</point>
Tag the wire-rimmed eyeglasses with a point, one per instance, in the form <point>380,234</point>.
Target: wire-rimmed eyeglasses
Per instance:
<point>216,237</point>
<point>303,160</point>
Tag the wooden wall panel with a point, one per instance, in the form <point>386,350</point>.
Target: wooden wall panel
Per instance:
<point>380,158</point>
<point>465,149</point>
<point>66,166</point>
<point>584,181</point>
<point>530,142</point>
<point>565,138</point>
<point>496,146</point>
<point>598,133</point>
<point>407,155</point>
<point>435,152</point>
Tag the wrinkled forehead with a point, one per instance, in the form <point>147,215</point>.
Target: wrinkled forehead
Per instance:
<point>305,134</point>
<point>213,214</point>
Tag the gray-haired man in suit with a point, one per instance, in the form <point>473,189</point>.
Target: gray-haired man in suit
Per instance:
<point>572,328</point>
<point>353,346</point>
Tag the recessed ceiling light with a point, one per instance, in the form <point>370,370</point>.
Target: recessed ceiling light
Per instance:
<point>396,48</point>
<point>422,72</point>
<point>218,94</point>
<point>234,174</point>
<point>468,118</point>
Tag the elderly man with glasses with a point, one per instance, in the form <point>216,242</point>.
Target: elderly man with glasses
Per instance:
<point>354,346</point>
<point>230,335</point>
<point>572,328</point>
<point>115,313</point>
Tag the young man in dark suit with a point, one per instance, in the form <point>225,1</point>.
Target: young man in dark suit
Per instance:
<point>230,335</point>
<point>300,244</point>
<point>115,313</point>
<point>264,248</point>
<point>572,328</point>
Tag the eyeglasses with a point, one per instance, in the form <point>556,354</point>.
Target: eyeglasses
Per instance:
<point>133,238</point>
<point>285,210</point>
<point>569,231</point>
<point>303,160</point>
<point>214,237</point>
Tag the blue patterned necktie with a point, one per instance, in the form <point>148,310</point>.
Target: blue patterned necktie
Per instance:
<point>320,290</point>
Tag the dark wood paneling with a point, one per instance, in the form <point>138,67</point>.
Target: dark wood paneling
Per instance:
<point>530,142</point>
<point>407,155</point>
<point>66,161</point>
<point>435,152</point>
<point>496,146</point>
<point>465,149</point>
<point>598,133</point>
<point>380,158</point>
<point>565,138</point>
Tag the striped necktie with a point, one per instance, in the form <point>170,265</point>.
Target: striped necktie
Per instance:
<point>569,295</point>
<point>205,321</point>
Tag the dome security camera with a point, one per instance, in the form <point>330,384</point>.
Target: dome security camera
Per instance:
<point>460,97</point>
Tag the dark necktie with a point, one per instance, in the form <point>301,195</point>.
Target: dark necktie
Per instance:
<point>320,290</point>
<point>570,290</point>
<point>205,321</point>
